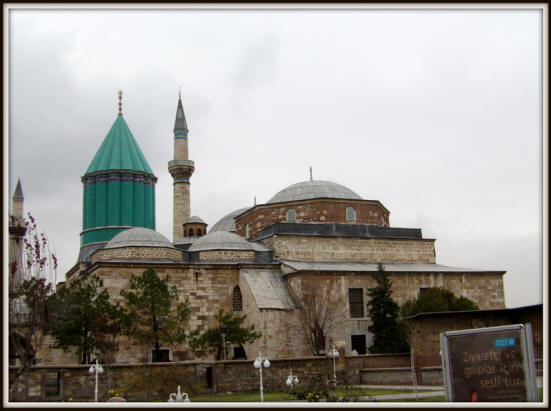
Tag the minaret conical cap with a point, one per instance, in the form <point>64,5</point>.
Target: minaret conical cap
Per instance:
<point>180,124</point>
<point>18,193</point>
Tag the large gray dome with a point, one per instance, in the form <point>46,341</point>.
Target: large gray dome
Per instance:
<point>227,223</point>
<point>314,189</point>
<point>138,237</point>
<point>220,240</point>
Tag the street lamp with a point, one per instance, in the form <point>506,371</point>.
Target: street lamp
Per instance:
<point>334,353</point>
<point>223,331</point>
<point>97,369</point>
<point>259,363</point>
<point>291,379</point>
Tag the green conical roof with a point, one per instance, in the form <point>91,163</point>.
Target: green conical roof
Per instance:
<point>119,151</point>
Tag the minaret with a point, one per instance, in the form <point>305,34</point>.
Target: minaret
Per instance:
<point>181,169</point>
<point>17,230</point>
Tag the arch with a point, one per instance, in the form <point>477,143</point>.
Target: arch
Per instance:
<point>237,299</point>
<point>190,232</point>
<point>291,216</point>
<point>199,232</point>
<point>350,214</point>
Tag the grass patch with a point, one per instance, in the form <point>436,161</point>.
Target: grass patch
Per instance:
<point>280,396</point>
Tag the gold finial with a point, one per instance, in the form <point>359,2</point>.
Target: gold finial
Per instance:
<point>120,102</point>
<point>311,179</point>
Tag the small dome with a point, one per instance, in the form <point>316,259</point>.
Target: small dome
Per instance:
<point>220,240</point>
<point>139,237</point>
<point>227,223</point>
<point>314,189</point>
<point>194,219</point>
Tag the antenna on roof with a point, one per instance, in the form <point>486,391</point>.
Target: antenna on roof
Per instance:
<point>120,102</point>
<point>311,179</point>
<point>254,200</point>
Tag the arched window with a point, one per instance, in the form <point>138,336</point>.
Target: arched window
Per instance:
<point>191,231</point>
<point>247,231</point>
<point>291,216</point>
<point>350,214</point>
<point>199,232</point>
<point>237,300</point>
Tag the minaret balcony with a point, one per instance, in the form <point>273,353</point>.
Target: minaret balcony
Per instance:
<point>181,168</point>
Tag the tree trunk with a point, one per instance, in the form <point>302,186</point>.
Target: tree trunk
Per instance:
<point>27,384</point>
<point>16,383</point>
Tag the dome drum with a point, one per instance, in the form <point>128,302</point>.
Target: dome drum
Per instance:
<point>312,211</point>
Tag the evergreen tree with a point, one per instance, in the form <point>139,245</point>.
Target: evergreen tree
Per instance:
<point>82,316</point>
<point>211,340</point>
<point>150,317</point>
<point>388,332</point>
<point>437,300</point>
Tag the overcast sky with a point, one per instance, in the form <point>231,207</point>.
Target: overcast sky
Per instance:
<point>435,113</point>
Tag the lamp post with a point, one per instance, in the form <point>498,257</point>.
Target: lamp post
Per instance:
<point>97,369</point>
<point>334,353</point>
<point>223,331</point>
<point>259,363</point>
<point>291,379</point>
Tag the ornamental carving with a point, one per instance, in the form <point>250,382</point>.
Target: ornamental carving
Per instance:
<point>146,179</point>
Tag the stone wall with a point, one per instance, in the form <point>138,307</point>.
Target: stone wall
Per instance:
<point>322,211</point>
<point>226,255</point>
<point>428,327</point>
<point>150,382</point>
<point>314,248</point>
<point>137,253</point>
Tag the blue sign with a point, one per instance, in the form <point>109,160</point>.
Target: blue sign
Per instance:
<point>505,342</point>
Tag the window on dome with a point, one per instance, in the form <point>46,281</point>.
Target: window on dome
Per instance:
<point>237,300</point>
<point>291,216</point>
<point>191,231</point>
<point>198,232</point>
<point>350,214</point>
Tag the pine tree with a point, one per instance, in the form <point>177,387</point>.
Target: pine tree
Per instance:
<point>151,317</point>
<point>388,331</point>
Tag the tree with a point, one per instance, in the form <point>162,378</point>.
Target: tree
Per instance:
<point>437,300</point>
<point>28,293</point>
<point>318,313</point>
<point>211,340</point>
<point>388,331</point>
<point>83,317</point>
<point>150,316</point>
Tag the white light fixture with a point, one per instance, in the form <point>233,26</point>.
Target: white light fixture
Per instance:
<point>258,364</point>
<point>96,369</point>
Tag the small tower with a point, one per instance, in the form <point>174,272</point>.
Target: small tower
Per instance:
<point>194,227</point>
<point>181,169</point>
<point>17,230</point>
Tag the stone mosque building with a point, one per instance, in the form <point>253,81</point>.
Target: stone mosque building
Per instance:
<point>257,260</point>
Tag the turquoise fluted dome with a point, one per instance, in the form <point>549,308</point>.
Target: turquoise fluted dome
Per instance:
<point>119,188</point>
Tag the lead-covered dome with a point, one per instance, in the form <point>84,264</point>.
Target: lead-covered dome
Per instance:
<point>220,240</point>
<point>227,223</point>
<point>307,190</point>
<point>139,237</point>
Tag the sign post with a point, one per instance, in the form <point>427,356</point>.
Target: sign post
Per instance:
<point>494,364</point>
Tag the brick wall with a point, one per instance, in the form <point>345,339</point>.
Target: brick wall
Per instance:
<point>324,211</point>
<point>313,248</point>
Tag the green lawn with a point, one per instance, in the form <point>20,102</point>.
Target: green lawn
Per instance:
<point>280,396</point>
